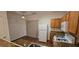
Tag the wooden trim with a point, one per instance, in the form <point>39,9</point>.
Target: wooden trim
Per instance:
<point>68,21</point>
<point>77,24</point>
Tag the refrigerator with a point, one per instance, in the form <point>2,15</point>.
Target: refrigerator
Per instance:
<point>43,32</point>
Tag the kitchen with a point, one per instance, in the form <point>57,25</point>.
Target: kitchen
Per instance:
<point>43,28</point>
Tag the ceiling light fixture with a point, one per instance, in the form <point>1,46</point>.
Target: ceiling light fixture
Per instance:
<point>23,15</point>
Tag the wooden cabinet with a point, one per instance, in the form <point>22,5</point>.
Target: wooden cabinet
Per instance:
<point>65,17</point>
<point>78,27</point>
<point>73,22</point>
<point>78,30</point>
<point>72,18</point>
<point>55,23</point>
<point>77,41</point>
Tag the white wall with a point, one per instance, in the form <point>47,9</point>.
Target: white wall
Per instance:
<point>17,26</point>
<point>4,31</point>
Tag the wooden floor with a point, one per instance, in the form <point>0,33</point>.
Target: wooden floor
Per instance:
<point>4,43</point>
<point>27,40</point>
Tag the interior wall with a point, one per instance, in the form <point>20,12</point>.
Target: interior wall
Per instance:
<point>17,26</point>
<point>4,30</point>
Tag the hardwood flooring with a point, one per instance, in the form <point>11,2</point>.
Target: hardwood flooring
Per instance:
<point>28,40</point>
<point>4,43</point>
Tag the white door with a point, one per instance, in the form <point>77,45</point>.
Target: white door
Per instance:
<point>32,28</point>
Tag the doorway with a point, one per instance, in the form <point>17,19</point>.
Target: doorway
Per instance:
<point>32,28</point>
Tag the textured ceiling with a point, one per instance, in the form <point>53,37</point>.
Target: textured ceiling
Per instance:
<point>36,12</point>
<point>26,12</point>
<point>29,13</point>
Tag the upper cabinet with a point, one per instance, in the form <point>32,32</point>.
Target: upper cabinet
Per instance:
<point>72,18</point>
<point>55,23</point>
<point>65,17</point>
<point>73,22</point>
<point>78,29</point>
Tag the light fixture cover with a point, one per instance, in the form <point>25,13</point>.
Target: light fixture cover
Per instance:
<point>23,17</point>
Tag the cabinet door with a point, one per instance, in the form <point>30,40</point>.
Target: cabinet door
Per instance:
<point>78,29</point>
<point>77,40</point>
<point>73,20</point>
<point>65,17</point>
<point>55,23</point>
